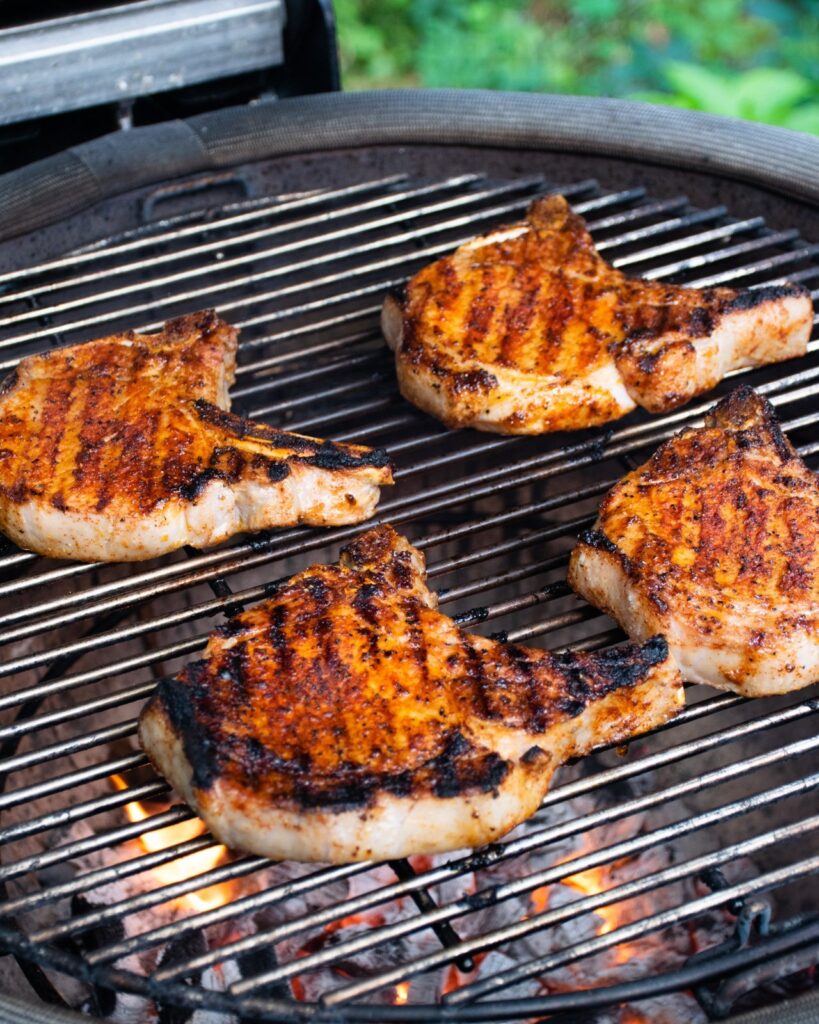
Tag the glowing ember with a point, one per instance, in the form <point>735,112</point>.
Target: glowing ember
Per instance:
<point>590,883</point>
<point>628,1015</point>
<point>539,899</point>
<point>183,868</point>
<point>402,993</point>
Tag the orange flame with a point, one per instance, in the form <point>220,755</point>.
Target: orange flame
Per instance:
<point>182,868</point>
<point>590,883</point>
<point>401,993</point>
<point>539,899</point>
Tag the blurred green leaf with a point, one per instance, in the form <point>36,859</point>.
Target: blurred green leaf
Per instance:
<point>757,59</point>
<point>598,10</point>
<point>769,94</point>
<point>664,98</point>
<point>804,119</point>
<point>702,88</point>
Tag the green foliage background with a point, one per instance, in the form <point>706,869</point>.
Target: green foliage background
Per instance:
<point>757,59</point>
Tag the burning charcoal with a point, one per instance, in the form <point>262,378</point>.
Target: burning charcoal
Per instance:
<point>489,964</point>
<point>257,961</point>
<point>189,944</point>
<point>108,932</point>
<point>311,986</point>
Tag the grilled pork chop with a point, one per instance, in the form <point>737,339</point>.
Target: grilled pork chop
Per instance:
<point>347,719</point>
<point>123,448</point>
<point>714,542</point>
<point>528,330</point>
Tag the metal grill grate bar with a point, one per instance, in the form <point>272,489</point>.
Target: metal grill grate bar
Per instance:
<point>534,840</point>
<point>458,907</point>
<point>451,202</point>
<point>153,238</point>
<point>269,231</point>
<point>638,929</point>
<point>576,908</point>
<point>395,511</point>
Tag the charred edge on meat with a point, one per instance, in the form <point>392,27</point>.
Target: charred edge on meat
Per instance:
<point>751,298</point>
<point>753,420</point>
<point>206,321</point>
<point>323,455</point>
<point>179,697</point>
<point>605,673</point>
<point>600,542</point>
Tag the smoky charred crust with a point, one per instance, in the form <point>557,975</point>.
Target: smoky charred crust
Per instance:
<point>226,463</point>
<point>398,294</point>
<point>277,471</point>
<point>631,659</point>
<point>534,755</point>
<point>697,317</point>
<point>752,420</point>
<point>181,699</point>
<point>752,298</point>
<point>742,407</point>
<point>374,547</point>
<point>194,487</point>
<point>600,542</point>
<point>329,455</point>
<point>591,678</point>
<point>472,382</point>
<point>459,769</point>
<point>205,322</point>
<point>241,427</point>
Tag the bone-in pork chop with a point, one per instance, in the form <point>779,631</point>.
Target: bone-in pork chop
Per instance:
<point>528,330</point>
<point>123,448</point>
<point>714,542</point>
<point>346,718</point>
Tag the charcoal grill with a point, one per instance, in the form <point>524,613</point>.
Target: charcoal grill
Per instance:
<point>341,198</point>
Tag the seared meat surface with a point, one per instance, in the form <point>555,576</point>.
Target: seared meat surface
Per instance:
<point>123,449</point>
<point>346,718</point>
<point>527,330</point>
<point>714,542</point>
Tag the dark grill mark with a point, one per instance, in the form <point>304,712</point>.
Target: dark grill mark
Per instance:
<point>473,382</point>
<point>197,484</point>
<point>228,461</point>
